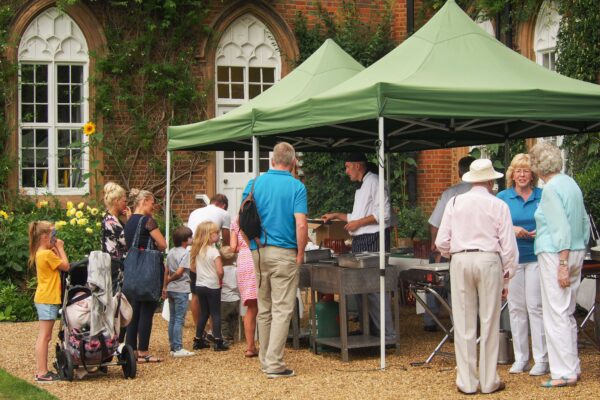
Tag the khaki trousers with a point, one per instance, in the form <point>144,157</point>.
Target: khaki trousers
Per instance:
<point>277,281</point>
<point>476,283</point>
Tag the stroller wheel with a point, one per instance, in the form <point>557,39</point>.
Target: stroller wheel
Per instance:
<point>64,364</point>
<point>128,362</point>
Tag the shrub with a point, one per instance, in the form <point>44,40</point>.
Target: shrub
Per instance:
<point>412,223</point>
<point>78,225</point>
<point>589,182</point>
<point>16,304</point>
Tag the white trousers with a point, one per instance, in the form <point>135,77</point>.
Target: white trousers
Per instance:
<point>476,282</point>
<point>525,312</point>
<point>558,308</point>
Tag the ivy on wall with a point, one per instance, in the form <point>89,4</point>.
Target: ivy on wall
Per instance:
<point>328,187</point>
<point>579,57</point>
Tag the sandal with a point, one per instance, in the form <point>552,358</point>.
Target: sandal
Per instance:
<point>561,382</point>
<point>251,353</point>
<point>148,359</point>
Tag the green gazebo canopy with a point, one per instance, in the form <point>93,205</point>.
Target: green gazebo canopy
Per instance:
<point>450,84</point>
<point>327,67</point>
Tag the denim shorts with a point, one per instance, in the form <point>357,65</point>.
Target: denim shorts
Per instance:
<point>47,312</point>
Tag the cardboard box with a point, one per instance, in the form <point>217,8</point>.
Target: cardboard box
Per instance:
<point>334,230</point>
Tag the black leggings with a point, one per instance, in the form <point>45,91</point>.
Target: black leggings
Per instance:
<point>210,306</point>
<point>140,327</point>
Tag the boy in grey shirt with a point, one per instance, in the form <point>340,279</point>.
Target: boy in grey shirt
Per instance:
<point>177,287</point>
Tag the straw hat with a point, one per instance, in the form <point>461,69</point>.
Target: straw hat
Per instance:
<point>481,170</point>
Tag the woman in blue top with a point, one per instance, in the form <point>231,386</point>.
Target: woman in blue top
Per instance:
<point>562,233</point>
<point>524,292</point>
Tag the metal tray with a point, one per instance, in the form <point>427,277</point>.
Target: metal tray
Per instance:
<point>316,255</point>
<point>360,260</point>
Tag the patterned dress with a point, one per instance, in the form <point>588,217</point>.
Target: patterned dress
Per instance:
<point>113,237</point>
<point>246,278</point>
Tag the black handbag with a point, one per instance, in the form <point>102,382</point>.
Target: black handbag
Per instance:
<point>142,269</point>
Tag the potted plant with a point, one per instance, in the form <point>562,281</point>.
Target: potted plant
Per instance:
<point>413,230</point>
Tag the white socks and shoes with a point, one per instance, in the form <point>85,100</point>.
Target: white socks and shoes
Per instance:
<point>182,353</point>
<point>540,368</point>
<point>518,367</point>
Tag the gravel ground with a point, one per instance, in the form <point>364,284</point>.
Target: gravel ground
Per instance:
<point>218,375</point>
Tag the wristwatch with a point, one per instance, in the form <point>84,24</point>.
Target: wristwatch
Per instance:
<point>563,262</point>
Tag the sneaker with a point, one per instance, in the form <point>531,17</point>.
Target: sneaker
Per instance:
<point>220,345</point>
<point>200,344</point>
<point>48,377</point>
<point>182,353</point>
<point>540,368</point>
<point>286,373</point>
<point>518,367</point>
<point>208,336</point>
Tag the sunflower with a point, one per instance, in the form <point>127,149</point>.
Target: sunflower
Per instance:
<point>89,128</point>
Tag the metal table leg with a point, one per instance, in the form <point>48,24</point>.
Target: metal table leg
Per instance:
<point>343,327</point>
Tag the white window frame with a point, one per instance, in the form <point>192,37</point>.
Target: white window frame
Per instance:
<point>54,57</point>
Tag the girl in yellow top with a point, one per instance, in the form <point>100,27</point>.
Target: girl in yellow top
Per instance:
<point>47,254</point>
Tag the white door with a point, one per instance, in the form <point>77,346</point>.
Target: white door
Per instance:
<point>247,63</point>
<point>234,170</point>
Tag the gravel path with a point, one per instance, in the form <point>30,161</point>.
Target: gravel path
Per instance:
<point>219,375</point>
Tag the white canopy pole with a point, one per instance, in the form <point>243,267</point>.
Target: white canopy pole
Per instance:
<point>381,195</point>
<point>168,200</point>
<point>255,157</point>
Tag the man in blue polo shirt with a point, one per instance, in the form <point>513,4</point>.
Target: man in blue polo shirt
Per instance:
<point>281,203</point>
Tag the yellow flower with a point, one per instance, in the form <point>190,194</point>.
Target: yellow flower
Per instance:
<point>73,221</point>
<point>42,203</point>
<point>79,214</point>
<point>98,224</point>
<point>89,231</point>
<point>89,128</point>
<point>82,221</point>
<point>59,224</point>
<point>80,205</point>
<point>3,214</point>
<point>69,205</point>
<point>71,212</point>
<point>94,211</point>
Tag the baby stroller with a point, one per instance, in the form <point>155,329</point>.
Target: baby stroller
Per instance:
<point>86,341</point>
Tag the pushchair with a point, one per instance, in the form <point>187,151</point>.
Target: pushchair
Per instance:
<point>78,348</point>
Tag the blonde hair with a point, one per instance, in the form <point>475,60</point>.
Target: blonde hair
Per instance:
<point>112,192</point>
<point>136,196</point>
<point>521,160</point>
<point>202,239</point>
<point>36,229</point>
<point>284,154</point>
<point>545,158</point>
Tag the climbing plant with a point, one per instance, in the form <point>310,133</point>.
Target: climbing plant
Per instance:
<point>367,40</point>
<point>579,57</point>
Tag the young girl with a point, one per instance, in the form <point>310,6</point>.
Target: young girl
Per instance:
<point>206,263</point>
<point>47,254</point>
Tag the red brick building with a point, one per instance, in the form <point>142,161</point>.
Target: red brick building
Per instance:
<point>252,47</point>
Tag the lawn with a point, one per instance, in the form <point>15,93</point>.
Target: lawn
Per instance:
<point>12,388</point>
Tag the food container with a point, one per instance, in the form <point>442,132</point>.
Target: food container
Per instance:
<point>316,255</point>
<point>360,260</point>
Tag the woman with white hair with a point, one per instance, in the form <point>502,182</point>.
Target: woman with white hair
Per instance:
<point>524,293</point>
<point>562,231</point>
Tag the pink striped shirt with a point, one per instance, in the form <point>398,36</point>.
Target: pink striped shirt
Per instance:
<point>478,220</point>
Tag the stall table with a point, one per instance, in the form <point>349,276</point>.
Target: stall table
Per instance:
<point>591,270</point>
<point>327,278</point>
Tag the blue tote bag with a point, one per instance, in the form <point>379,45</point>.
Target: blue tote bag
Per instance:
<point>143,270</point>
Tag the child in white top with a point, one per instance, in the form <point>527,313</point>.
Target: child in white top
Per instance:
<point>206,263</point>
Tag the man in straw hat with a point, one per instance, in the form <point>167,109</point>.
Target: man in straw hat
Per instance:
<point>477,232</point>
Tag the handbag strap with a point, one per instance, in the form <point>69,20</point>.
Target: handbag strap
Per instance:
<point>136,237</point>
<point>150,244</point>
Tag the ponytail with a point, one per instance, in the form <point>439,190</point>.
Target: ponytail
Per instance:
<point>36,229</point>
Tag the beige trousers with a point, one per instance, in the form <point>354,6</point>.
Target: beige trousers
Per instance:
<point>277,281</point>
<point>476,282</point>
